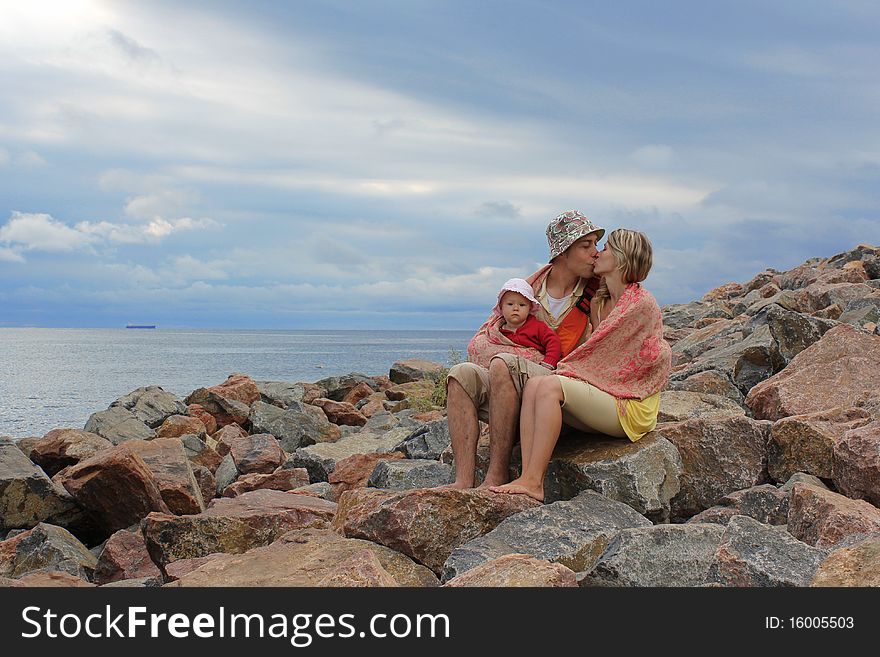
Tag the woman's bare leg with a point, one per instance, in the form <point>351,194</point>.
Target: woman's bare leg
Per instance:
<point>547,425</point>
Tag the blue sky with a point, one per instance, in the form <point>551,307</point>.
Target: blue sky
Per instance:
<point>391,164</point>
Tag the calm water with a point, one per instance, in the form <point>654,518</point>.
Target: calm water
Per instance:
<point>53,378</point>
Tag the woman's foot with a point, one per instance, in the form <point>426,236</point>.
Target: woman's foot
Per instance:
<point>454,486</point>
<point>520,487</point>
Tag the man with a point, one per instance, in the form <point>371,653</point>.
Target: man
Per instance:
<point>489,387</point>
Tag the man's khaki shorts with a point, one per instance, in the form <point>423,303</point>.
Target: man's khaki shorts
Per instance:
<point>475,379</point>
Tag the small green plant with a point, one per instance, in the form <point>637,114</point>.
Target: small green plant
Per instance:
<point>438,395</point>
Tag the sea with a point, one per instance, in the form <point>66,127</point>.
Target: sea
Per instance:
<point>56,377</point>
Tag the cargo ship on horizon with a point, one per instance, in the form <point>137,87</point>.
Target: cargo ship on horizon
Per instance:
<point>140,326</point>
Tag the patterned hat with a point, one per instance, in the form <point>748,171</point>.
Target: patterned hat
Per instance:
<point>567,228</point>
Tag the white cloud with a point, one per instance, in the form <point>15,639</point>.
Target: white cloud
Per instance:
<point>8,255</point>
<point>153,231</point>
<point>162,203</point>
<point>42,232</point>
<point>30,160</point>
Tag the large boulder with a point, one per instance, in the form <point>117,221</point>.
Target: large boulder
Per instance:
<point>856,461</point>
<point>823,518</point>
<point>710,382</point>
<point>116,486</point>
<point>354,471</point>
<point>516,570</point>
<point>854,565</point>
<point>228,402</point>
<point>407,474</point>
<point>846,360</point>
<point>426,525</point>
<point>297,426</point>
<point>340,412</point>
<point>765,503</point>
<point>805,443</point>
<point>118,424</point>
<point>257,453</point>
<point>303,558</point>
<point>45,548</point>
<point>151,405</point>
<point>679,405</point>
<point>28,496</point>
<point>362,570</point>
<point>180,425</point>
<point>719,456</point>
<point>234,524</point>
<point>280,393</point>
<point>643,474</point>
<point>321,459</point>
<point>573,533</point>
<point>658,555</point>
<point>125,556</point>
<point>753,554</point>
<point>280,479</point>
<point>414,369</point>
<point>172,471</point>
<point>62,447</point>
<point>338,388</point>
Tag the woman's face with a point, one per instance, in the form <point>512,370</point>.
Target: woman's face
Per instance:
<point>605,262</point>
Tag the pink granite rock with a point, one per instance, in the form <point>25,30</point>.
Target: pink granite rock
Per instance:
<point>259,453</point>
<point>362,569</point>
<point>62,447</point>
<point>125,556</point>
<point>167,460</point>
<point>340,413</point>
<point>360,391</point>
<point>198,411</point>
<point>857,463</point>
<point>354,471</point>
<point>179,425</point>
<point>516,570</point>
<point>280,479</point>
<point>225,436</point>
<point>856,565</point>
<point>822,518</point>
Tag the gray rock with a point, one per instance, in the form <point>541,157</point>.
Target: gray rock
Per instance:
<point>680,315</point>
<point>49,548</point>
<point>294,427</point>
<point>765,503</point>
<point>802,478</point>
<point>644,474</point>
<point>755,554</point>
<point>321,489</point>
<point>861,311</point>
<point>792,331</point>
<point>151,405</point>
<point>282,392</point>
<point>117,424</point>
<point>407,474</point>
<point>414,369</point>
<point>225,474</point>
<point>321,459</point>
<point>677,405</point>
<point>661,555</point>
<point>426,442</point>
<point>28,496</point>
<point>573,533</point>
<point>711,382</point>
<point>381,421</point>
<point>338,387</point>
<point>135,583</point>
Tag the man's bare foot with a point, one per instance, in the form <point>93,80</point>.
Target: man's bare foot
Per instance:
<point>456,485</point>
<point>488,482</point>
<point>518,487</point>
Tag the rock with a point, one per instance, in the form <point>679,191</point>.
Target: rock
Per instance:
<point>199,453</point>
<point>151,405</point>
<point>354,471</point>
<point>765,503</point>
<point>371,408</point>
<point>805,443</point>
<point>424,524</point>
<point>573,533</point>
<point>320,489</point>
<point>280,393</point>
<point>723,292</point>
<point>49,579</point>
<point>233,524</point>
<point>381,421</point>
<point>677,405</point>
<point>116,486</point>
<point>754,554</point>
<point>225,436</point>
<point>414,369</point>
<point>719,456</point>
<point>179,425</point>
<point>280,479</point>
<point>679,315</point>
<point>206,481</point>
<point>341,412</point>
<point>303,558</point>
<point>516,570</point>
<point>657,555</point>
<point>321,459</point>
<point>118,425</point>
<point>298,426</point>
<point>822,518</point>
<point>177,569</point>
<point>426,442</point>
<point>422,388</point>
<point>225,474</point>
<point>124,557</point>
<point>197,411</point>
<point>848,361</point>
<point>62,447</point>
<point>45,548</point>
<point>136,583</point>
<point>408,474</point>
<point>166,459</point>
<point>857,565</point>
<point>28,496</point>
<point>856,463</point>
<point>644,474</point>
<point>338,387</point>
<point>802,478</point>
<point>362,569</point>
<point>258,453</point>
<point>710,382</point>
<point>228,402</point>
<point>356,394</point>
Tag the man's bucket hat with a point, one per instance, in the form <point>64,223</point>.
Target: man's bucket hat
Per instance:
<point>567,228</point>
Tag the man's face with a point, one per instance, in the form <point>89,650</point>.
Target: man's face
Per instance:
<point>581,256</point>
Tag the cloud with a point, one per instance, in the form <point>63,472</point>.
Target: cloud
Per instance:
<point>153,231</point>
<point>30,160</point>
<point>8,255</point>
<point>41,232</point>
<point>166,202</point>
<point>498,209</point>
<point>131,48</point>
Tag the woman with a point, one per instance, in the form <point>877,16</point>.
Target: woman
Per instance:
<point>611,384</point>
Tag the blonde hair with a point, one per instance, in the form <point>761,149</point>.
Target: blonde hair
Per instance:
<point>634,256</point>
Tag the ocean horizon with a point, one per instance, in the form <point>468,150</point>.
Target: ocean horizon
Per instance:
<point>57,377</point>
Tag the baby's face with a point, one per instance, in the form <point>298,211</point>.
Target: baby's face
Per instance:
<point>515,308</point>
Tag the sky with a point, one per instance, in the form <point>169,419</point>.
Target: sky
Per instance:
<point>384,165</point>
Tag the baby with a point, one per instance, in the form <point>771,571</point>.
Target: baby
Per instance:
<point>517,305</point>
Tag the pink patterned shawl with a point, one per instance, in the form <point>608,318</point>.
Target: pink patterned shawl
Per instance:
<point>626,356</point>
<point>489,341</point>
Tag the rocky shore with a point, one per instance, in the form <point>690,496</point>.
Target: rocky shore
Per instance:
<point>764,470</point>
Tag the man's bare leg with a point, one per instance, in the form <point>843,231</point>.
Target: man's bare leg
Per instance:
<point>464,429</point>
<point>503,423</point>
